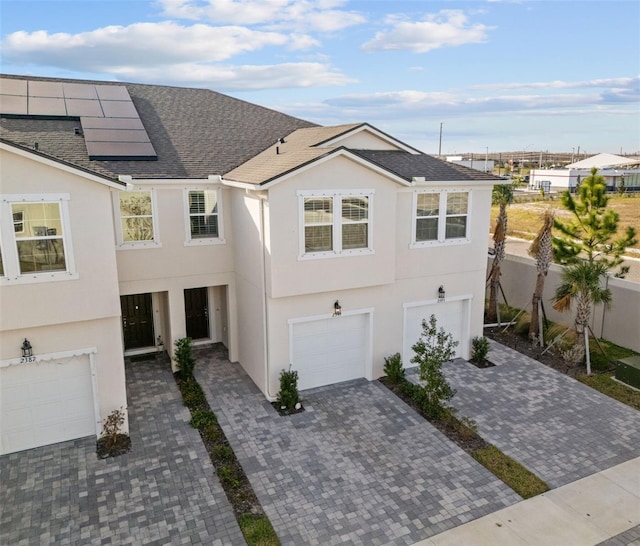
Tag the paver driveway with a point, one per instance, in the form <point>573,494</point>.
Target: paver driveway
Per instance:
<point>163,492</point>
<point>557,427</point>
<point>357,467</point>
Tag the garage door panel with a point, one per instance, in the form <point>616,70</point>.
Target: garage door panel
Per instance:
<point>335,352</point>
<point>45,403</point>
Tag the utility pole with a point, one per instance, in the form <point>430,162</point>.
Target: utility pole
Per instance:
<point>440,144</point>
<point>486,157</point>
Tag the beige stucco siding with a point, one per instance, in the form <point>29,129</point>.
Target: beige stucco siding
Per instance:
<point>291,275</point>
<point>173,259</point>
<point>94,294</point>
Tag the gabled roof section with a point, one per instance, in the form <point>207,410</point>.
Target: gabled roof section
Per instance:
<point>194,132</point>
<point>55,162</point>
<point>305,146</point>
<point>344,132</point>
<point>602,161</point>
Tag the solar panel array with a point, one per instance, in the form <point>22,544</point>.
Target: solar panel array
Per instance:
<point>110,122</point>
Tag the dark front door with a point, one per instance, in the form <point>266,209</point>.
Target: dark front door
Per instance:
<point>137,321</point>
<point>196,306</point>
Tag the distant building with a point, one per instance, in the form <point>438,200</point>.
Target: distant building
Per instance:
<point>613,168</point>
<point>479,164</point>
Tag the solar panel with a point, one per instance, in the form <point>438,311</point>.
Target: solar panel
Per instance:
<point>13,104</point>
<point>45,89</point>
<point>110,122</point>
<point>79,91</point>
<point>46,106</point>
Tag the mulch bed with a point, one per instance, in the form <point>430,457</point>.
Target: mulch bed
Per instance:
<point>550,358</point>
<point>120,446</point>
<point>284,412</point>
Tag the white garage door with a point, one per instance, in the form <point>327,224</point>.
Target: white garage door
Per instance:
<point>329,350</point>
<point>450,315</point>
<point>46,402</point>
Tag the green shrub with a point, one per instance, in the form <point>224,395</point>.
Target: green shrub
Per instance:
<point>393,368</point>
<point>228,476</point>
<point>479,349</point>
<point>111,427</point>
<point>202,418</point>
<point>223,453</point>
<point>184,356</point>
<point>432,350</point>
<point>288,396</point>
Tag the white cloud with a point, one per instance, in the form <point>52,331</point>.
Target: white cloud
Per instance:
<point>301,15</point>
<point>443,29</point>
<point>559,84</point>
<point>140,44</point>
<point>238,78</point>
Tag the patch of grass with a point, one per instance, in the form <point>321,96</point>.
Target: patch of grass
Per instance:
<point>606,361</point>
<point>516,476</point>
<point>524,216</point>
<point>257,530</point>
<point>605,384</point>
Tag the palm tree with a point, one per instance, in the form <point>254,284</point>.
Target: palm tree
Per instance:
<point>581,282</point>
<point>502,196</point>
<point>542,250</point>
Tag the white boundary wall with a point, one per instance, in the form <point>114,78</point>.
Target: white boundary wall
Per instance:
<point>619,324</point>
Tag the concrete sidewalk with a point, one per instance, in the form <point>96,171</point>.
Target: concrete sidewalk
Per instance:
<point>599,509</point>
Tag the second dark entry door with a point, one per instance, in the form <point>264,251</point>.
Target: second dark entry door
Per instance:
<point>196,306</point>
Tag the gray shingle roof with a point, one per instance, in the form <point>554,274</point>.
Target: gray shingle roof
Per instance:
<point>195,132</point>
<point>198,132</point>
<point>408,165</point>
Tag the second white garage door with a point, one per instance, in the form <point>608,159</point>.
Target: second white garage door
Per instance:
<point>328,351</point>
<point>46,402</point>
<point>450,315</point>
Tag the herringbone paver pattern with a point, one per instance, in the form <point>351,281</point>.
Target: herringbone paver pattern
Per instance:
<point>554,425</point>
<point>357,467</point>
<point>162,492</point>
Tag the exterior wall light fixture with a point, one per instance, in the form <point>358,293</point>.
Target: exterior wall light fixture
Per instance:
<point>27,349</point>
<point>441,293</point>
<point>337,309</point>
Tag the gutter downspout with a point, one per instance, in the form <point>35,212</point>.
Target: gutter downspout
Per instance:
<point>265,317</point>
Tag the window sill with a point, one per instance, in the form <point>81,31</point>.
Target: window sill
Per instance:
<point>446,242</point>
<point>139,245</point>
<point>205,242</point>
<point>33,278</point>
<point>335,254</point>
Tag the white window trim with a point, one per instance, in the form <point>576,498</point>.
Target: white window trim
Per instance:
<point>10,260</point>
<point>189,241</point>
<point>442,219</point>
<point>128,245</point>
<point>337,251</point>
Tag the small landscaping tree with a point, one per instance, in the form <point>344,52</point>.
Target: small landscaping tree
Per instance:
<point>502,196</point>
<point>591,232</point>
<point>432,350</point>
<point>581,283</point>
<point>393,368</point>
<point>542,250</point>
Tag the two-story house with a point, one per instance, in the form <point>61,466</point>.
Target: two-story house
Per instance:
<point>134,215</point>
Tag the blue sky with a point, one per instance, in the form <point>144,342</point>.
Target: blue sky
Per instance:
<point>500,75</point>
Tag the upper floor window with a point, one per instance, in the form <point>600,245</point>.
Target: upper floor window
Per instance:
<point>440,217</point>
<point>35,238</point>
<point>137,223</point>
<point>335,223</point>
<point>203,217</point>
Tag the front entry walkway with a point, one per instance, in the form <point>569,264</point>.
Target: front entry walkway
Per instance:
<point>164,491</point>
<point>357,467</point>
